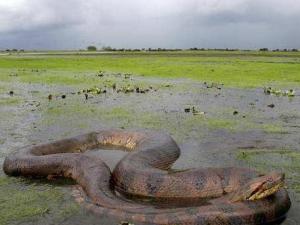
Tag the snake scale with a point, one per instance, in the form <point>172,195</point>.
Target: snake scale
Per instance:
<point>144,189</point>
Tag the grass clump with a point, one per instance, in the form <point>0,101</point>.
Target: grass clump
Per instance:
<point>273,128</point>
<point>23,200</point>
<point>21,203</point>
<point>10,101</point>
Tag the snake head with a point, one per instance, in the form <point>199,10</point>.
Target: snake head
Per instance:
<point>259,187</point>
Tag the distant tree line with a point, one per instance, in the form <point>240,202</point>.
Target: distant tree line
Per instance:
<point>279,50</point>
<point>215,49</point>
<point>286,50</point>
<point>14,50</point>
<point>108,48</point>
<point>91,48</point>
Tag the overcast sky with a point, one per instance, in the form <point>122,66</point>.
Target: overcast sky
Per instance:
<point>74,24</point>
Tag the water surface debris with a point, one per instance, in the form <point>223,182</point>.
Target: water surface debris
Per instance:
<point>213,85</point>
<point>271,105</point>
<point>193,110</point>
<point>279,92</point>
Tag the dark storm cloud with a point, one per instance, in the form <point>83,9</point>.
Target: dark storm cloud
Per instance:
<point>69,24</point>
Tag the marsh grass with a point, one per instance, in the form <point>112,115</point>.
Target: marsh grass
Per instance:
<point>10,101</point>
<point>233,70</point>
<point>32,200</point>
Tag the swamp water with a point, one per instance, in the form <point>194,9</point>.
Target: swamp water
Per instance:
<point>223,127</point>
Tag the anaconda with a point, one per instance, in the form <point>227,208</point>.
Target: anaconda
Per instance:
<point>228,196</point>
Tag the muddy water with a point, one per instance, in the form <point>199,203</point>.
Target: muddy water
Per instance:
<point>214,137</point>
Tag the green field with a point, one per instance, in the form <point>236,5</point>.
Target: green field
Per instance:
<point>234,69</point>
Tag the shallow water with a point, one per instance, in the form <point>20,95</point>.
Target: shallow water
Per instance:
<point>213,138</point>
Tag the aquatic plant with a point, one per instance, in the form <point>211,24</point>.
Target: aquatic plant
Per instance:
<point>279,92</point>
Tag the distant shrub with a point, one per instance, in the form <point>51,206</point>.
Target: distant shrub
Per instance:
<point>91,48</point>
<point>107,48</point>
<point>264,49</point>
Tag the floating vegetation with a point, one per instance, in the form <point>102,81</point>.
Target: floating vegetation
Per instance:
<point>133,88</point>
<point>193,110</point>
<point>127,88</point>
<point>100,73</point>
<point>213,85</point>
<point>127,75</point>
<point>278,92</point>
<point>118,82</point>
<point>93,90</point>
<point>13,75</point>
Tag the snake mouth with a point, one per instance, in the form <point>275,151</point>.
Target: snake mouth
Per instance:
<point>259,187</point>
<point>265,190</point>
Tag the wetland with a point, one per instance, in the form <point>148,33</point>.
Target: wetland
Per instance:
<point>212,103</point>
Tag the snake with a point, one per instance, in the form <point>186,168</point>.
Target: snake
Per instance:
<point>143,188</point>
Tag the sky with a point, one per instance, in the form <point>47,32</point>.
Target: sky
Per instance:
<point>75,24</point>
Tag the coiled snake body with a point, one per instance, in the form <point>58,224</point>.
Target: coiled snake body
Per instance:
<point>145,174</point>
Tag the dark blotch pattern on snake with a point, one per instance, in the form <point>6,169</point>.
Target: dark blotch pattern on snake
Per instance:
<point>145,175</point>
